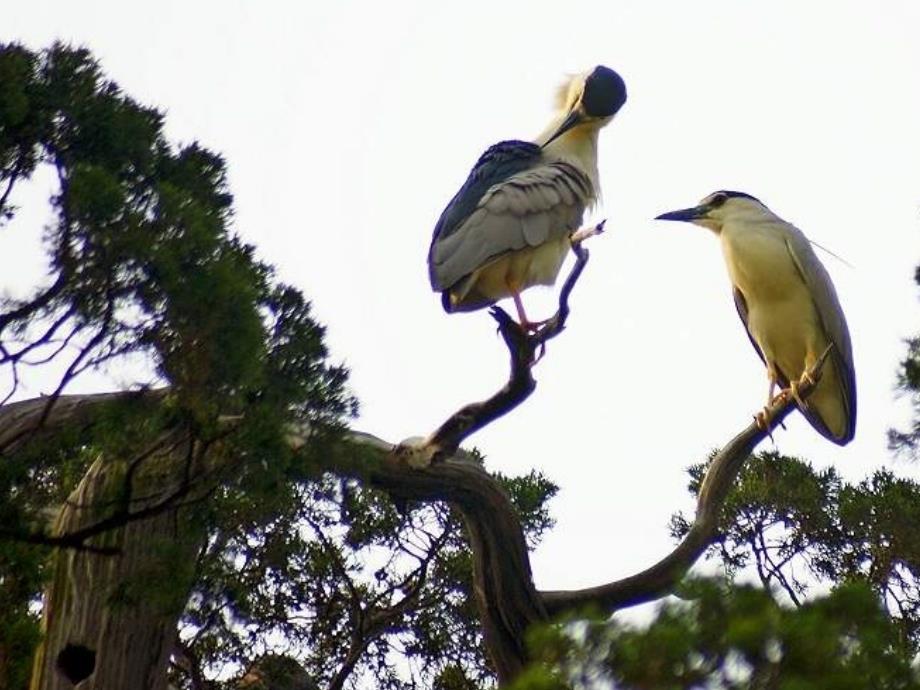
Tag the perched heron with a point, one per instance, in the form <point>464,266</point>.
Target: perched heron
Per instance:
<point>509,226</point>
<point>788,305</point>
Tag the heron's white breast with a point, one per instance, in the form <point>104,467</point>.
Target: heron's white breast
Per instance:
<point>759,263</point>
<point>781,315</point>
<point>782,318</point>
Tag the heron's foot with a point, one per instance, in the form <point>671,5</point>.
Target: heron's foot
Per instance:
<point>807,379</point>
<point>531,331</point>
<point>518,337</point>
<point>793,391</point>
<point>777,399</point>
<point>763,421</point>
<point>582,234</point>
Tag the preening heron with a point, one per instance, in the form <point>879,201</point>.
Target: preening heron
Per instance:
<point>788,305</point>
<point>509,226</point>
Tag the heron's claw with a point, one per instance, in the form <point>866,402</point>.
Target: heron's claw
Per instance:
<point>778,398</point>
<point>794,392</point>
<point>762,420</point>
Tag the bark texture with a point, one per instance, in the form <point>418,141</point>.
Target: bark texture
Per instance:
<point>507,600</point>
<point>117,602</point>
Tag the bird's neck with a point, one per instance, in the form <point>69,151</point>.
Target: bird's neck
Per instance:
<point>577,147</point>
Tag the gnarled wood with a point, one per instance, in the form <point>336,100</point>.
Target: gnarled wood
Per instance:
<point>20,421</point>
<point>507,600</point>
<point>117,603</point>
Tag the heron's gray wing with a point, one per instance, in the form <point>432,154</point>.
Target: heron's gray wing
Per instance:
<point>824,297</point>
<point>741,306</point>
<point>498,163</point>
<point>541,203</point>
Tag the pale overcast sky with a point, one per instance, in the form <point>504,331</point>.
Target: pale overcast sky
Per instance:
<point>347,126</point>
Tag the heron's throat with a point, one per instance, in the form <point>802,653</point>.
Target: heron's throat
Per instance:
<point>578,147</point>
<point>710,224</point>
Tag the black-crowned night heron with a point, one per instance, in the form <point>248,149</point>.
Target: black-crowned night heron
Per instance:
<point>788,305</point>
<point>509,226</point>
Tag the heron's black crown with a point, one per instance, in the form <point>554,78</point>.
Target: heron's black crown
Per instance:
<point>605,92</point>
<point>720,197</point>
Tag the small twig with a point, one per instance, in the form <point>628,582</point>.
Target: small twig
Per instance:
<point>14,385</point>
<point>555,325</point>
<point>13,177</point>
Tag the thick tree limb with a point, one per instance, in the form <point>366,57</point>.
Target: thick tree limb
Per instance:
<point>23,421</point>
<point>19,420</point>
<point>508,602</point>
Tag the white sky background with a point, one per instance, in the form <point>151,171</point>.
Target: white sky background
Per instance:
<point>348,126</point>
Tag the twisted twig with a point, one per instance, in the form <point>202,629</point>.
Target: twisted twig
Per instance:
<point>522,348</point>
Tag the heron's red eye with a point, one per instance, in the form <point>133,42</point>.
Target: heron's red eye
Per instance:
<point>717,200</point>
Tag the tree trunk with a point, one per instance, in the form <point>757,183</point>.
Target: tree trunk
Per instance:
<point>111,618</point>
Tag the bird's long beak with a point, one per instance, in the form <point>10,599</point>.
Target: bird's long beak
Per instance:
<point>575,117</point>
<point>685,214</point>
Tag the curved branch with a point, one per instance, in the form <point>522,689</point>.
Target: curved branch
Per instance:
<point>40,301</point>
<point>20,419</point>
<point>661,578</point>
<point>507,599</point>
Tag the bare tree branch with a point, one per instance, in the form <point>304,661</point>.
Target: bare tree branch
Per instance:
<point>77,542</point>
<point>775,572</point>
<point>11,180</point>
<point>661,578</point>
<point>38,302</point>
